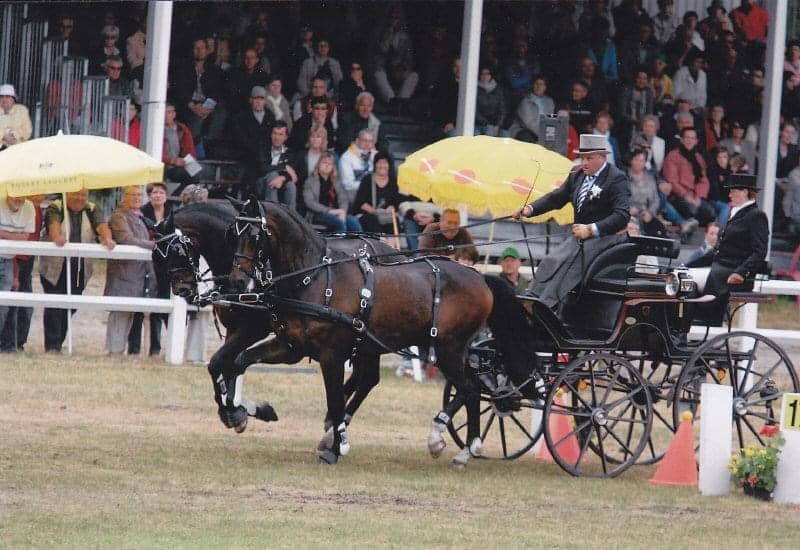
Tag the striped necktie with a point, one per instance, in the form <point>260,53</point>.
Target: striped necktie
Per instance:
<point>587,184</point>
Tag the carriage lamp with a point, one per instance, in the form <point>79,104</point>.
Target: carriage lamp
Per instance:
<point>687,283</point>
<point>671,284</point>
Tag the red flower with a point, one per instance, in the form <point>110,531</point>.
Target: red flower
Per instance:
<point>769,430</point>
<point>752,480</point>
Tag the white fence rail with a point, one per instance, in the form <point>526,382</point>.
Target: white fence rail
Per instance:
<point>175,307</point>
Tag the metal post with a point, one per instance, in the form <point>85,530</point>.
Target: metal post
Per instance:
<point>468,80</point>
<point>769,129</point>
<point>159,23</point>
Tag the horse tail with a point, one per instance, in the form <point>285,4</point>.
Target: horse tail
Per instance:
<point>512,330</point>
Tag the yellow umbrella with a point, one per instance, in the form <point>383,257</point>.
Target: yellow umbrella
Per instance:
<point>63,164</point>
<point>485,174</point>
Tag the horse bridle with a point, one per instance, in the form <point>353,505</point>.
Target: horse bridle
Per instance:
<point>183,247</point>
<point>261,270</point>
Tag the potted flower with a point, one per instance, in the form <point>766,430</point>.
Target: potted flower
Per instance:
<point>754,467</point>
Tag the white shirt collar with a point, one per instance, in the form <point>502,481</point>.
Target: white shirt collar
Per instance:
<point>599,171</point>
<point>736,209</point>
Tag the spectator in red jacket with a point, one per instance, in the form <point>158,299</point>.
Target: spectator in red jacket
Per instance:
<point>134,125</point>
<point>178,143</point>
<point>752,20</point>
<point>685,171</point>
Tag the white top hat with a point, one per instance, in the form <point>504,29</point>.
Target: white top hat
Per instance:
<point>8,89</point>
<point>592,143</point>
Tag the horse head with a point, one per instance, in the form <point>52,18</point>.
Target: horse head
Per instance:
<point>176,257</point>
<point>249,236</point>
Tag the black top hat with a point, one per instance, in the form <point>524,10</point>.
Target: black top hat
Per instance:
<point>743,181</point>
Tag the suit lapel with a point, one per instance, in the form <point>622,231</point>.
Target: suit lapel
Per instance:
<point>598,181</point>
<point>740,214</point>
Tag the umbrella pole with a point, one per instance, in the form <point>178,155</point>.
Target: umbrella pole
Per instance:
<point>68,261</point>
<point>491,239</point>
<point>396,231</point>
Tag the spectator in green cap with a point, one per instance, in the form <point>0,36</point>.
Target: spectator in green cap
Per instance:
<point>510,262</point>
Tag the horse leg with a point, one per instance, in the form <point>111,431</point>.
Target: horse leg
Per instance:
<point>366,375</point>
<point>333,374</point>
<point>228,379</point>
<point>475,446</point>
<point>273,351</point>
<point>450,363</point>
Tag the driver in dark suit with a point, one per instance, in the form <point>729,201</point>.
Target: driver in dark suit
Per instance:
<point>741,248</point>
<point>600,195</point>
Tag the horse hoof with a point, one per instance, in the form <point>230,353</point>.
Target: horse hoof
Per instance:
<point>327,440</point>
<point>265,412</point>
<point>328,457</point>
<point>436,448</point>
<point>456,465</point>
<point>461,459</point>
<point>239,428</point>
<point>233,417</point>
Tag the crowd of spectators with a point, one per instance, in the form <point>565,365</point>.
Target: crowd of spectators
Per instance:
<point>246,80</point>
<point>296,93</point>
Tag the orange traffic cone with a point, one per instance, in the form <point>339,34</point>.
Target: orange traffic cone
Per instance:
<point>679,467</point>
<point>560,428</point>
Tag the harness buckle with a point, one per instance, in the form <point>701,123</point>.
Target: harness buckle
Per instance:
<point>358,325</point>
<point>326,260</point>
<point>268,275</point>
<point>435,269</point>
<point>328,292</point>
<point>434,332</point>
<point>363,303</point>
<point>366,293</point>
<point>249,298</point>
<point>306,280</point>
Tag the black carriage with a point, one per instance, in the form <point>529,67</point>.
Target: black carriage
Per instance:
<point>618,363</point>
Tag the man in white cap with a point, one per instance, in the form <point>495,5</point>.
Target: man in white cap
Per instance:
<point>15,121</point>
<point>600,194</point>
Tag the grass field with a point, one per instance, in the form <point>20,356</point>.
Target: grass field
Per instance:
<point>99,452</point>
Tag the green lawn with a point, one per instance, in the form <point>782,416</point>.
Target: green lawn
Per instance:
<point>99,452</point>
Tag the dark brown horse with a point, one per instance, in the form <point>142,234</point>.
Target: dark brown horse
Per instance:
<point>433,303</point>
<point>199,230</point>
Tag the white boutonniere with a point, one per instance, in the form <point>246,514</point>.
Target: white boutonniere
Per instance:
<point>595,191</point>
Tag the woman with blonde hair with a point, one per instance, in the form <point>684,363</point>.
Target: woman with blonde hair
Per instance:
<point>325,198</point>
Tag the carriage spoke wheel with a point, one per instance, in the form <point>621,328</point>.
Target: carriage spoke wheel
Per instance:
<point>507,433</point>
<point>661,375</point>
<point>598,416</point>
<point>758,371</point>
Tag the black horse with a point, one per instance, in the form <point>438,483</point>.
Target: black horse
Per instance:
<point>200,230</point>
<point>377,308</point>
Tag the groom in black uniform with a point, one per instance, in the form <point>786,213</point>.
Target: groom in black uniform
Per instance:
<point>600,194</point>
<point>741,248</point>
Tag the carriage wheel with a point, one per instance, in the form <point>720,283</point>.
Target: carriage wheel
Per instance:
<point>661,375</point>
<point>599,401</point>
<point>506,433</point>
<point>756,368</point>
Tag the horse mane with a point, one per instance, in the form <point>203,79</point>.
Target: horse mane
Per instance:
<point>308,245</point>
<point>217,212</point>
